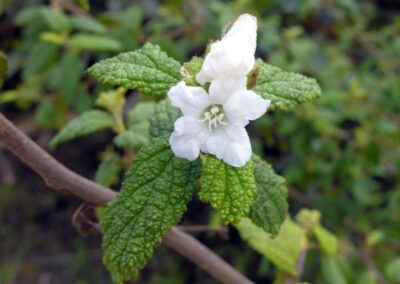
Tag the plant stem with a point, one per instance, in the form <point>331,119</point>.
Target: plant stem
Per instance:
<point>62,179</point>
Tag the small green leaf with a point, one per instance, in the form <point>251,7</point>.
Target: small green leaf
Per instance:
<point>229,189</point>
<point>135,137</point>
<point>308,218</point>
<point>153,198</point>
<point>148,70</point>
<point>3,68</point>
<point>85,24</point>
<point>326,240</point>
<point>84,4</point>
<point>42,54</point>
<point>270,206</point>
<point>331,271</point>
<point>190,70</point>
<point>71,70</point>
<point>140,112</point>
<point>57,21</point>
<point>85,124</point>
<point>286,90</point>
<point>283,251</point>
<point>92,42</point>
<point>162,122</point>
<point>107,172</point>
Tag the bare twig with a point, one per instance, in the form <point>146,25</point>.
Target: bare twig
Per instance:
<point>62,179</point>
<point>365,256</point>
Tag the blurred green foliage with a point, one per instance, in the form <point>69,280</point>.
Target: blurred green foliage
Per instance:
<point>339,155</point>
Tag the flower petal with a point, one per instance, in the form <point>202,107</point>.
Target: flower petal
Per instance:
<point>223,88</point>
<point>191,100</point>
<point>189,137</point>
<point>244,106</point>
<point>233,55</point>
<point>230,144</point>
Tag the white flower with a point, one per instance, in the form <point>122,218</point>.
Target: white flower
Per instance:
<point>214,123</point>
<point>234,54</point>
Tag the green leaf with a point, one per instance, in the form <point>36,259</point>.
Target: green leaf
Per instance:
<point>270,206</point>
<point>229,189</point>
<point>85,24</point>
<point>148,70</point>
<point>57,21</point>
<point>84,4</point>
<point>331,271</point>
<point>326,240</point>
<point>107,172</point>
<point>283,251</point>
<point>92,42</point>
<point>3,68</point>
<point>190,70</point>
<point>162,122</point>
<point>135,137</point>
<point>153,198</point>
<point>140,112</point>
<point>286,90</point>
<point>42,54</point>
<point>85,124</point>
<point>71,70</point>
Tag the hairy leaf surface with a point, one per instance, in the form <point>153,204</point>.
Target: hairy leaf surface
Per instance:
<point>153,198</point>
<point>163,119</point>
<point>270,206</point>
<point>148,70</point>
<point>229,189</point>
<point>286,90</point>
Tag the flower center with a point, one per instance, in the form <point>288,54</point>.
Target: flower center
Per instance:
<point>214,116</point>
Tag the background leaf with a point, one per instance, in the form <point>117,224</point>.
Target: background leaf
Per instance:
<point>229,189</point>
<point>153,198</point>
<point>85,124</point>
<point>326,240</point>
<point>283,251</point>
<point>286,90</point>
<point>270,206</point>
<point>92,42</point>
<point>148,70</point>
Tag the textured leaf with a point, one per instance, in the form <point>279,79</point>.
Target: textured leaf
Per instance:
<point>153,198</point>
<point>3,68</point>
<point>93,43</point>
<point>135,137</point>
<point>107,172</point>
<point>270,206</point>
<point>326,240</point>
<point>162,122</point>
<point>286,90</point>
<point>283,251</point>
<point>141,112</point>
<point>148,70</point>
<point>85,124</point>
<point>229,189</point>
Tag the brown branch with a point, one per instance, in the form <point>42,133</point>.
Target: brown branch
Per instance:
<point>62,179</point>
